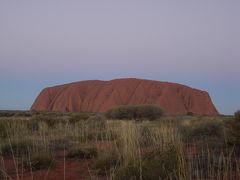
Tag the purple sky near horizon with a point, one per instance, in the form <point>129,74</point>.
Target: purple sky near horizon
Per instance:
<point>44,43</point>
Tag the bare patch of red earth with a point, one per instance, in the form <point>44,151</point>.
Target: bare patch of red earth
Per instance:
<point>74,170</point>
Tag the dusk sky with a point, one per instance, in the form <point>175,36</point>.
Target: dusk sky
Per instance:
<point>45,43</point>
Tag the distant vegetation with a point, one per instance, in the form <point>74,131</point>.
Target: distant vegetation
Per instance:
<point>237,115</point>
<point>136,112</point>
<point>116,146</point>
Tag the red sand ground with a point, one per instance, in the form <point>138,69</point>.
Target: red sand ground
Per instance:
<point>74,169</point>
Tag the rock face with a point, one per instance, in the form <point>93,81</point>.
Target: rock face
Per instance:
<point>99,96</point>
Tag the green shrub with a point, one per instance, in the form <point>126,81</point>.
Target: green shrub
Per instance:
<point>7,113</point>
<point>237,115</point>
<point>156,164</point>
<point>86,153</point>
<point>213,163</point>
<point>121,112</point>
<point>93,124</point>
<point>33,125</point>
<point>23,113</point>
<point>233,134</point>
<point>51,122</point>
<point>106,161</point>
<point>202,129</point>
<point>50,119</point>
<point>76,117</point>
<point>39,161</point>
<point>150,112</point>
<point>102,135</point>
<point>17,148</point>
<point>136,112</point>
<point>146,139</point>
<point>161,164</point>
<point>3,129</point>
<point>128,172</point>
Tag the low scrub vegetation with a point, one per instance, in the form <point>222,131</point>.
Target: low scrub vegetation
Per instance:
<point>16,148</point>
<point>202,129</point>
<point>119,147</point>
<point>76,117</point>
<point>38,162</point>
<point>137,112</point>
<point>237,115</point>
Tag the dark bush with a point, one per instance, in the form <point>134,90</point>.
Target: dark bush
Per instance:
<point>76,117</point>
<point>136,112</point>
<point>3,129</point>
<point>237,115</point>
<point>7,113</point>
<point>85,153</point>
<point>33,125</point>
<point>190,113</point>
<point>207,163</point>
<point>161,164</point>
<point>17,148</point>
<point>38,162</point>
<point>233,134</point>
<point>99,124</point>
<point>202,129</point>
<point>150,112</point>
<point>156,164</point>
<point>146,139</point>
<point>50,119</point>
<point>106,161</point>
<point>121,112</point>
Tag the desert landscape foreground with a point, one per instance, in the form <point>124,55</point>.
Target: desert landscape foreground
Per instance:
<point>50,145</point>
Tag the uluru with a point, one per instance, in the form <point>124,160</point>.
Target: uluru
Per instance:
<point>99,96</point>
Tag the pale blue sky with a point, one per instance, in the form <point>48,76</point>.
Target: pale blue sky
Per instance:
<point>44,43</point>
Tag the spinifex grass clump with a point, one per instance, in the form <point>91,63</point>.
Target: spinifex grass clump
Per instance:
<point>3,129</point>
<point>107,161</point>
<point>161,163</point>
<point>12,127</point>
<point>33,125</point>
<point>39,161</point>
<point>233,134</point>
<point>202,129</point>
<point>50,119</point>
<point>155,164</point>
<point>16,148</point>
<point>148,152</point>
